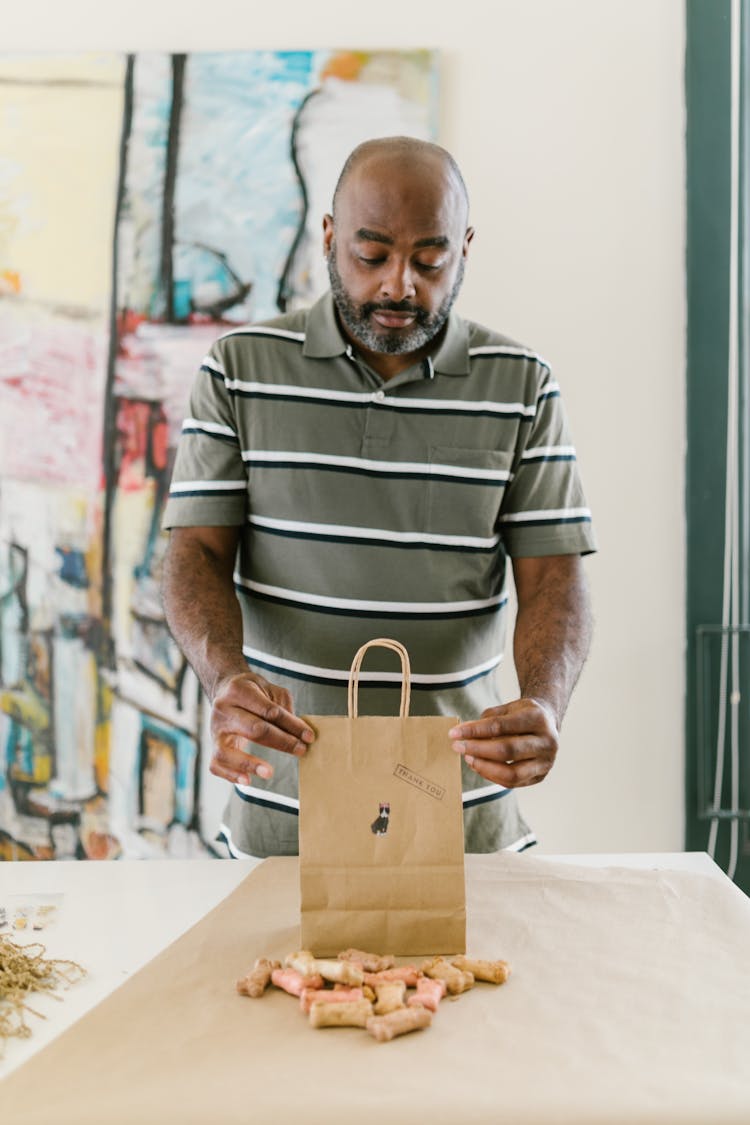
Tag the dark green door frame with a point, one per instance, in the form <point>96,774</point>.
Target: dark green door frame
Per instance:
<point>708,99</point>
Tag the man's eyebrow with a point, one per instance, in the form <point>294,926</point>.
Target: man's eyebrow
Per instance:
<point>439,240</point>
<point>366,235</point>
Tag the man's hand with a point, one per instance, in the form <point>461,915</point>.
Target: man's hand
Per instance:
<point>512,745</point>
<point>247,708</point>
<point>204,616</point>
<point>516,744</point>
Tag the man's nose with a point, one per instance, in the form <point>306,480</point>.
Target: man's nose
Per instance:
<point>398,281</point>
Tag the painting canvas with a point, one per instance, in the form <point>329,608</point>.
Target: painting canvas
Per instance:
<point>147,203</point>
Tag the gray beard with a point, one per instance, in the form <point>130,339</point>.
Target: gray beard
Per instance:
<point>389,341</point>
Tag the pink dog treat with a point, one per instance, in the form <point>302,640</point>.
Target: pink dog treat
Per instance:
<point>428,995</point>
<point>310,996</point>
<point>409,974</point>
<point>293,982</point>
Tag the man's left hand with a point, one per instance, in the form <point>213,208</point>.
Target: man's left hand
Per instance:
<point>512,745</point>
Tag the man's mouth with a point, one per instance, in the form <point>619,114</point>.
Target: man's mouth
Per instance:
<point>386,318</point>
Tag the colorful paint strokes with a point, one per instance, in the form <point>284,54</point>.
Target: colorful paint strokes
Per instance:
<point>147,202</point>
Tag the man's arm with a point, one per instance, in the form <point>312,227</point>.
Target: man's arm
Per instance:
<point>204,617</point>
<point>515,744</point>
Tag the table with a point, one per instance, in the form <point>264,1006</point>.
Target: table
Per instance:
<point>115,917</point>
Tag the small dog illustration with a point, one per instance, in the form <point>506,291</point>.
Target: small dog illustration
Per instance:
<point>380,826</point>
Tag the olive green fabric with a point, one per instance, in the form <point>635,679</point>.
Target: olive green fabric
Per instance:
<point>374,508</point>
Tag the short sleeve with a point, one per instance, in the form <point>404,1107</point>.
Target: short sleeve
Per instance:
<point>544,510</point>
<point>209,481</point>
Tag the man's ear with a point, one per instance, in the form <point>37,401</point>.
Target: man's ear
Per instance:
<point>467,240</point>
<point>327,234</point>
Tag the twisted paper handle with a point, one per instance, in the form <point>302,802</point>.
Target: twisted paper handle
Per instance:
<point>381,642</point>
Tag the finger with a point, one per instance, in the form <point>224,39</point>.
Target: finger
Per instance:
<point>234,727</point>
<point>240,773</point>
<point>283,698</point>
<point>246,695</point>
<point>502,724</point>
<point>514,775</point>
<point>504,750</point>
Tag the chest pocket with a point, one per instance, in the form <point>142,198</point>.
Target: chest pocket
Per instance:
<point>466,489</point>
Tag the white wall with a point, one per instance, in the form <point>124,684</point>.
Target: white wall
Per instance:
<point>568,121</point>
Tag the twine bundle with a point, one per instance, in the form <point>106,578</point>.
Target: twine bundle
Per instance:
<point>25,969</point>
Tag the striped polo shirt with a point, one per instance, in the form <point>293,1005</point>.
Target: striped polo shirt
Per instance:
<point>376,508</point>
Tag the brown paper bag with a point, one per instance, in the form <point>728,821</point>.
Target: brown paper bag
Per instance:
<point>381,831</point>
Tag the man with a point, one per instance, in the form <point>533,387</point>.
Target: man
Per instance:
<point>366,468</point>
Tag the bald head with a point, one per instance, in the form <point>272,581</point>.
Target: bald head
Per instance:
<point>399,154</point>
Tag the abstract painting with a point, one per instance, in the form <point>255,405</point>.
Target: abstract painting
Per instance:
<point>147,203</point>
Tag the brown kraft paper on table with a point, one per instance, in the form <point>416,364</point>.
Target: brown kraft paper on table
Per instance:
<point>381,831</point>
<point>627,1004</point>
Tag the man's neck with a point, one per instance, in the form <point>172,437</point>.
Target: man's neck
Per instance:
<point>387,365</point>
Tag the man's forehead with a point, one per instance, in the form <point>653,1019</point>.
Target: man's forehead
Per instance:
<point>382,191</point>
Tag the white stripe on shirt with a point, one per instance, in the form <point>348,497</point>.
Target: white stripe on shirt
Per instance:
<point>300,597</point>
<point>207,486</point>
<point>406,467</point>
<point>520,844</point>
<point>506,349</point>
<point>346,532</point>
<point>262,330</point>
<point>481,794</point>
<point>549,451</point>
<point>341,675</point>
<point>208,427</point>
<point>550,514</point>
<point>214,365</point>
<point>363,397</point>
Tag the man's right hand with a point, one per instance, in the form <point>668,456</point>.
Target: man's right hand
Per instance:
<point>247,708</point>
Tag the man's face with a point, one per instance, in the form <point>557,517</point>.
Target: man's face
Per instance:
<point>389,327</point>
<point>397,259</point>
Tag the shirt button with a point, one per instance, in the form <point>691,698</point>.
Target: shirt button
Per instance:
<point>378,396</point>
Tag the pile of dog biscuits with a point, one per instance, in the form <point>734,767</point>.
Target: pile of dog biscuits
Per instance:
<point>366,990</point>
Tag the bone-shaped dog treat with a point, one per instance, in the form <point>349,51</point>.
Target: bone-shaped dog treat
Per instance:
<point>338,972</point>
<point>294,982</point>
<point>367,992</point>
<point>428,995</point>
<point>353,1013</point>
<point>388,1027</point>
<point>328,996</point>
<point>390,997</point>
<point>495,972</point>
<point>456,980</point>
<point>256,981</point>
<point>409,974</point>
<point>370,962</point>
<point>302,961</point>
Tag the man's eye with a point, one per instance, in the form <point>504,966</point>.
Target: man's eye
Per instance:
<point>371,261</point>
<point>428,266</point>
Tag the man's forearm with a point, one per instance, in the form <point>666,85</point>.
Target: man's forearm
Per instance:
<point>202,612</point>
<point>552,636</point>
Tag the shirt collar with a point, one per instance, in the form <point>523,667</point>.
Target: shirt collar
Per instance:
<point>323,339</point>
